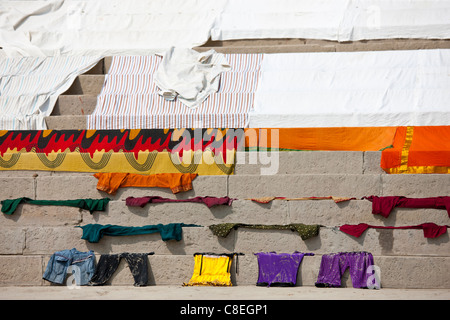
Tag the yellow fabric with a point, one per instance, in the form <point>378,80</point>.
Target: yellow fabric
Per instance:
<point>202,163</point>
<point>211,271</point>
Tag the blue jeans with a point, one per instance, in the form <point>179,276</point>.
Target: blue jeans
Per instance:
<point>81,264</point>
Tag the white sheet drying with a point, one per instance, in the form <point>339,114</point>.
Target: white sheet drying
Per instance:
<point>30,86</point>
<point>351,89</point>
<point>338,20</point>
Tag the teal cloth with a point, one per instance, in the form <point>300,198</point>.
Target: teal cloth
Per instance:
<point>172,231</point>
<point>9,206</point>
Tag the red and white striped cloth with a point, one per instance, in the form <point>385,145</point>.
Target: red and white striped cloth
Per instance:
<point>129,98</point>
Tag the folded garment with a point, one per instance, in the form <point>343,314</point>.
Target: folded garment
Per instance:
<point>269,199</point>
<point>305,231</point>
<point>430,230</point>
<point>9,206</point>
<point>177,182</point>
<point>172,231</point>
<point>209,201</point>
<point>384,205</point>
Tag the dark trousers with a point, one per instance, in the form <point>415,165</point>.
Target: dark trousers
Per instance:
<point>108,263</point>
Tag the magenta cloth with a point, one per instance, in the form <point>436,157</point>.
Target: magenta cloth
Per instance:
<point>384,205</point>
<point>279,269</point>
<point>430,230</point>
<point>333,266</point>
<point>209,201</point>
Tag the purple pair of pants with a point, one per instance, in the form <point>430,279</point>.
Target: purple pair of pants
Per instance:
<point>279,269</point>
<point>333,266</point>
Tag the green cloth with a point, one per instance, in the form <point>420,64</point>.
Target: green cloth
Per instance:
<point>94,232</point>
<point>305,231</point>
<point>9,206</point>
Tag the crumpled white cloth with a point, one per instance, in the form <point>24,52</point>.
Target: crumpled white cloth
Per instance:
<point>190,76</point>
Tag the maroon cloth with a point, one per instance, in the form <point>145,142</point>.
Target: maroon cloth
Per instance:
<point>384,205</point>
<point>209,201</point>
<point>430,230</point>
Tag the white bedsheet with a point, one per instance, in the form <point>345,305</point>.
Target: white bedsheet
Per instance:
<point>346,89</point>
<point>338,20</point>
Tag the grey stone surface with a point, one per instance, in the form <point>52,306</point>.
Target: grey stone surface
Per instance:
<point>78,105</point>
<point>299,162</point>
<point>16,187</point>
<point>73,122</point>
<point>18,270</point>
<point>416,185</point>
<point>89,84</point>
<point>304,185</point>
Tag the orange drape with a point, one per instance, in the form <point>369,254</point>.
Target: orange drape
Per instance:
<point>328,139</point>
<point>424,149</point>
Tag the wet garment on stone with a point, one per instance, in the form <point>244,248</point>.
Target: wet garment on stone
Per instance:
<point>172,231</point>
<point>9,206</point>
<point>212,269</point>
<point>108,263</point>
<point>384,205</point>
<point>65,262</point>
<point>333,266</point>
<point>305,231</point>
<point>279,269</point>
<point>270,199</point>
<point>208,201</point>
<point>176,182</point>
<point>430,230</point>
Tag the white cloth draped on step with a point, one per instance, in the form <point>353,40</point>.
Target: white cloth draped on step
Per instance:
<point>189,76</point>
<point>353,89</point>
<point>337,20</point>
<point>130,98</point>
<point>30,86</point>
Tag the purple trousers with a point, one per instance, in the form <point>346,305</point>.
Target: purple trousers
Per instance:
<point>333,266</point>
<point>279,269</point>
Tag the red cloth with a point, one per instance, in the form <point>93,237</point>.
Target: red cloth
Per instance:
<point>209,201</point>
<point>384,205</point>
<point>430,230</point>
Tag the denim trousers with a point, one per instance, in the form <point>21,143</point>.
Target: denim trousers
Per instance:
<point>81,264</point>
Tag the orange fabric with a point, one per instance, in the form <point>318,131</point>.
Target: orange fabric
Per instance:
<point>424,149</point>
<point>177,182</point>
<point>328,139</point>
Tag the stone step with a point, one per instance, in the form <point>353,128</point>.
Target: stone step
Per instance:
<point>86,84</point>
<point>67,122</point>
<point>322,212</point>
<point>395,272</point>
<point>63,185</point>
<point>315,45</point>
<point>74,105</point>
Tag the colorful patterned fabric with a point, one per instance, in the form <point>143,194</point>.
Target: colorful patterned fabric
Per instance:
<point>151,151</point>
